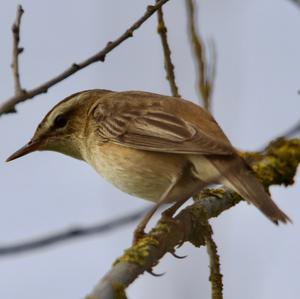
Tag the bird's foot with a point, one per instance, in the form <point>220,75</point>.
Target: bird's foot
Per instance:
<point>167,218</point>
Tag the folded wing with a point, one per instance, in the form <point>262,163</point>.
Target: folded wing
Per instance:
<point>156,130</point>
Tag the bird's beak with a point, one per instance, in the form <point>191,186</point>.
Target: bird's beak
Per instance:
<point>30,147</point>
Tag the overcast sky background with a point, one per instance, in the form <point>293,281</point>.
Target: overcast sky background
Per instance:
<point>255,100</point>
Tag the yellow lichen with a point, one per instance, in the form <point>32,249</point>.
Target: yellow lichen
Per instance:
<point>119,290</point>
<point>219,193</point>
<point>161,227</point>
<point>137,253</point>
<point>280,163</point>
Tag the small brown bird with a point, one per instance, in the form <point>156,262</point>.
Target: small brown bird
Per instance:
<point>156,147</point>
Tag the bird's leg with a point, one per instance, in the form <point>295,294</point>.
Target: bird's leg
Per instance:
<point>168,213</point>
<point>140,230</point>
<point>167,216</point>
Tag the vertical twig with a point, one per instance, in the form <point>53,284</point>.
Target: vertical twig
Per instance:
<point>206,72</point>
<point>215,276</point>
<point>17,51</point>
<point>169,67</point>
<point>212,66</point>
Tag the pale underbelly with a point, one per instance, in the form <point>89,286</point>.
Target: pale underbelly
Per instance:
<point>146,185</point>
<point>142,174</point>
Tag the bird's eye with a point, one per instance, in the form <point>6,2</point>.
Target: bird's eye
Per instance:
<point>60,121</point>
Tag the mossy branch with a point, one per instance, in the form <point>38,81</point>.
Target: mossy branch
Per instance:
<point>215,276</point>
<point>276,165</point>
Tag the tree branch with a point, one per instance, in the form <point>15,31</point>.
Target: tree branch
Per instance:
<point>169,67</point>
<point>9,105</point>
<point>277,165</point>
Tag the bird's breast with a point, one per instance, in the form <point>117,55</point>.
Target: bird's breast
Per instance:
<point>140,173</point>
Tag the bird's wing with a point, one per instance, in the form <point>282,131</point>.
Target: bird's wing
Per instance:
<point>153,129</point>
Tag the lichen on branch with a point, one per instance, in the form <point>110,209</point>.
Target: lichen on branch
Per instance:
<point>277,164</point>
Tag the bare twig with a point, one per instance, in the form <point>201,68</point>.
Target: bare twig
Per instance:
<point>70,234</point>
<point>206,72</point>
<point>169,67</point>
<point>297,2</point>
<point>17,51</point>
<point>277,165</point>
<point>294,130</point>
<point>212,66</point>
<point>9,105</point>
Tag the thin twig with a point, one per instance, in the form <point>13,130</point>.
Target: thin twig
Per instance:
<point>17,51</point>
<point>294,130</point>
<point>205,72</point>
<point>214,262</point>
<point>297,2</point>
<point>169,66</point>
<point>212,66</point>
<point>279,162</point>
<point>70,234</point>
<point>9,105</point>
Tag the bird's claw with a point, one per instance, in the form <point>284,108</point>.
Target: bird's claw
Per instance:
<point>155,274</point>
<point>178,256</point>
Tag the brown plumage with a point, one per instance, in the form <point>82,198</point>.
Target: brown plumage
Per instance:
<point>152,146</point>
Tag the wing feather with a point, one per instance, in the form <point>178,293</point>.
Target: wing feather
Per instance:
<point>155,130</point>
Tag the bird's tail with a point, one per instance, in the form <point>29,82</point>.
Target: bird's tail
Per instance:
<point>237,175</point>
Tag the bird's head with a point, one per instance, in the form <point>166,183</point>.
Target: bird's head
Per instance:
<point>63,128</point>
